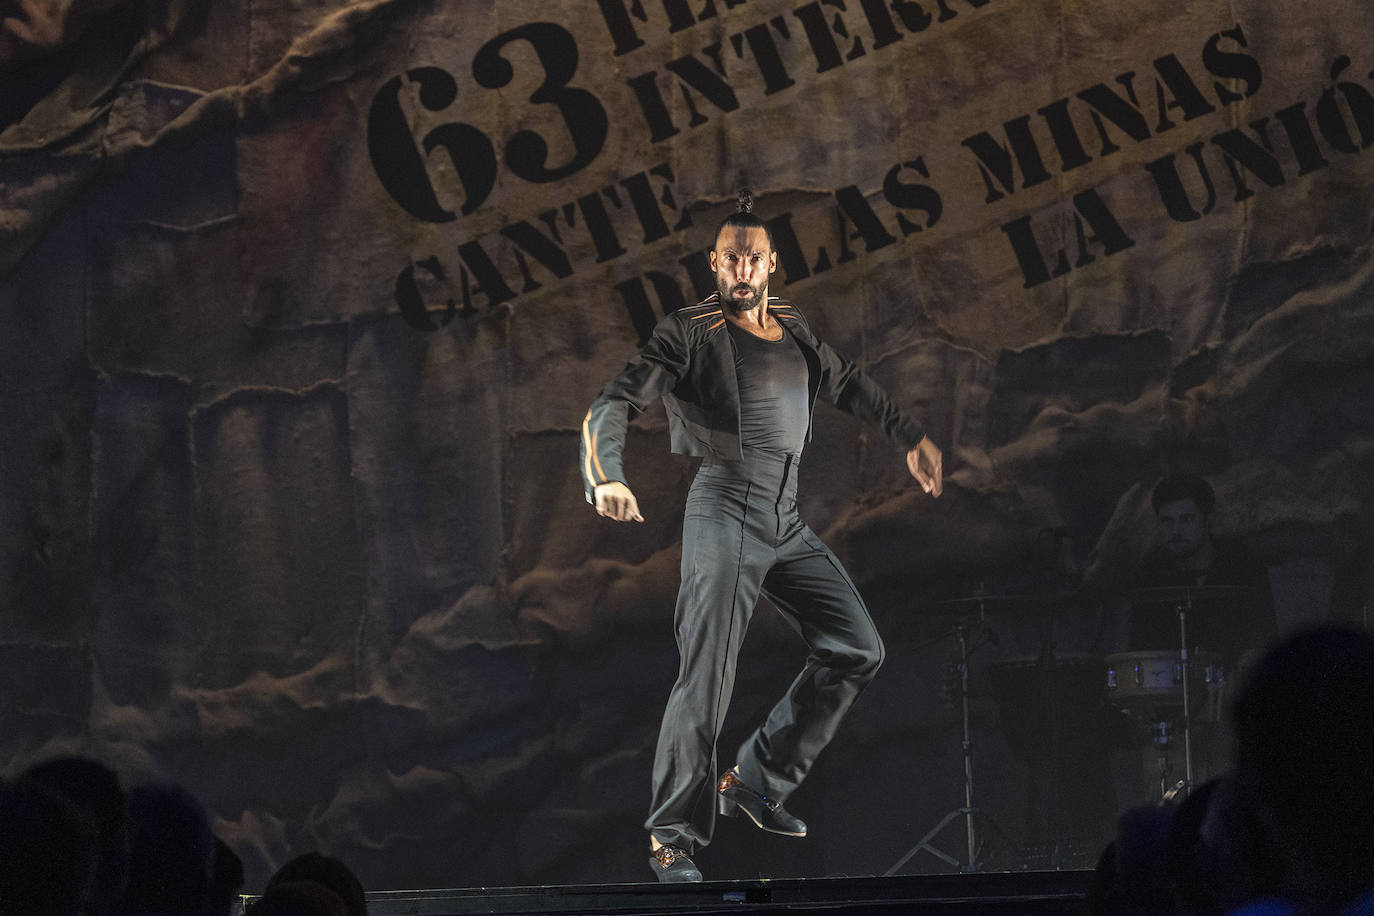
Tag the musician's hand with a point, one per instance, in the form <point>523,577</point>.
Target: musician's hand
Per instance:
<point>926,463</point>
<point>614,500</point>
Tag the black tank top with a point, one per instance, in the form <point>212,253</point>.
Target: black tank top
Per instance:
<point>772,391</point>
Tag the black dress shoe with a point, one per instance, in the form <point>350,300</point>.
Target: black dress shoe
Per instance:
<point>671,865</point>
<point>766,813</point>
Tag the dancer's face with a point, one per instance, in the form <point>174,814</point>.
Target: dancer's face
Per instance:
<point>742,262</point>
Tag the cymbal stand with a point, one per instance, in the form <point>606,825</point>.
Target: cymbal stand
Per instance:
<point>1183,609</point>
<point>969,810</point>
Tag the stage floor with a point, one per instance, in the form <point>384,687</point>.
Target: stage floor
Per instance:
<point>1046,892</point>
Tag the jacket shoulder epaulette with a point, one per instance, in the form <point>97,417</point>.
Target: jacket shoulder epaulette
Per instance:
<point>703,317</point>
<point>784,308</point>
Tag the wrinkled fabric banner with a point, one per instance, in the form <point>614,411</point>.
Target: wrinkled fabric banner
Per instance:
<point>302,305</point>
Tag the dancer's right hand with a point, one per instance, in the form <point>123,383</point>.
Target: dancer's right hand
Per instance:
<point>614,500</point>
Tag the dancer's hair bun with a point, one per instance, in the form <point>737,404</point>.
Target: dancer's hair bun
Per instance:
<point>746,201</point>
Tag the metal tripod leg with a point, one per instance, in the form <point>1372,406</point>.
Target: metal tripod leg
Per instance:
<point>924,843</point>
<point>968,811</point>
<point>1183,610</point>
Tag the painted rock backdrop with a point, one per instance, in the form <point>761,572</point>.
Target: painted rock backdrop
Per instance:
<point>301,306</point>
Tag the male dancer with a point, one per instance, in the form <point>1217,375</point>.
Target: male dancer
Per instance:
<point>739,375</point>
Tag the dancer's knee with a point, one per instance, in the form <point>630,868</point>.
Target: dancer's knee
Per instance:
<point>863,656</point>
<point>875,653</point>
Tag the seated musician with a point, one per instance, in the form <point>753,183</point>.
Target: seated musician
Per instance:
<point>1187,553</point>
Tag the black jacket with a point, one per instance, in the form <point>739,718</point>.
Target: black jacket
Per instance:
<point>689,362</point>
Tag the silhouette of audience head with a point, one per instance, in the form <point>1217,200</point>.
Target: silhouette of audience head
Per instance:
<point>328,872</point>
<point>72,843</point>
<point>95,789</point>
<point>1304,725</point>
<point>48,852</point>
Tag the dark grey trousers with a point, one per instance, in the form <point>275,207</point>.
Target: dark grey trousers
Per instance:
<point>742,537</point>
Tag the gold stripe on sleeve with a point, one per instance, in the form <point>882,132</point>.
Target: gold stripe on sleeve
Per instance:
<point>587,443</point>
<point>597,459</point>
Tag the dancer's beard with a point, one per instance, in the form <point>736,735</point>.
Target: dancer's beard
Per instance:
<point>740,303</point>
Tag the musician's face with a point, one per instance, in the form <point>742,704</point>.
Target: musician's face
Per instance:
<point>1182,528</point>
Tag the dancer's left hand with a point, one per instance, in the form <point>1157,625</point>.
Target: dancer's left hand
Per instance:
<point>926,463</point>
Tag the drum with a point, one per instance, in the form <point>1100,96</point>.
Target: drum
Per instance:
<point>1151,683</point>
